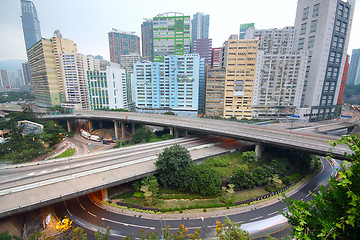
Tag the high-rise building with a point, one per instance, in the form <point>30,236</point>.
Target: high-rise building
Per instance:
<point>240,76</point>
<point>322,27</point>
<point>204,48</point>
<point>46,71</point>
<point>343,81</point>
<point>171,85</point>
<point>353,76</point>
<point>5,82</point>
<point>74,69</point>
<point>27,73</point>
<point>216,57</point>
<point>107,89</point>
<point>273,41</point>
<point>215,88</point>
<point>171,35</point>
<point>200,26</point>
<point>122,43</point>
<point>31,23</point>
<point>147,46</point>
<point>243,28</point>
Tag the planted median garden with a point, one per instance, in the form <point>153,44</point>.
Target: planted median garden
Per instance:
<point>219,182</point>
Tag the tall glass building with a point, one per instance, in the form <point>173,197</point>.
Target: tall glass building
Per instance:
<point>354,69</point>
<point>31,23</point>
<point>122,43</point>
<point>200,26</point>
<point>147,39</point>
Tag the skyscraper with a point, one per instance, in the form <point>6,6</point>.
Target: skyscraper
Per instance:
<point>30,22</point>
<point>200,26</point>
<point>122,43</point>
<point>216,57</point>
<point>147,39</point>
<point>240,67</point>
<point>322,27</point>
<point>215,89</point>
<point>171,35</point>
<point>46,71</point>
<point>203,47</point>
<point>353,76</point>
<point>343,81</point>
<point>27,73</point>
<point>243,28</point>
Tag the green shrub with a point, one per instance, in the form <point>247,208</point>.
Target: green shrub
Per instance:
<point>139,195</point>
<point>123,195</point>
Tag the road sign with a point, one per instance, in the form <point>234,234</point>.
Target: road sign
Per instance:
<point>48,218</point>
<point>294,116</point>
<point>345,116</point>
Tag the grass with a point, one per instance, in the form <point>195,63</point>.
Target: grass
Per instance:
<point>249,193</point>
<point>71,152</point>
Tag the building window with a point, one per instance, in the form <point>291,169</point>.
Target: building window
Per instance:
<point>337,26</point>
<point>338,58</point>
<point>335,41</point>
<point>340,10</point>
<point>343,28</point>
<point>305,13</point>
<point>332,57</point>
<point>335,72</point>
<point>313,26</point>
<point>341,43</point>
<point>311,41</point>
<point>329,72</point>
<point>301,43</point>
<point>303,29</point>
<point>346,13</point>
<point>316,10</point>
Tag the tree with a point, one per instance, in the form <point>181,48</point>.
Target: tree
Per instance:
<point>102,234</point>
<point>242,180</point>
<point>335,210</point>
<point>249,156</point>
<point>229,230</point>
<point>207,180</point>
<point>172,163</point>
<point>77,233</point>
<point>150,187</point>
<point>141,135</point>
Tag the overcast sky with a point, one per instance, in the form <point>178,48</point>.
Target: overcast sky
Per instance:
<point>87,22</point>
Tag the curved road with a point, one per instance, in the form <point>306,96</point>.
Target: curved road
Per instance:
<point>88,214</point>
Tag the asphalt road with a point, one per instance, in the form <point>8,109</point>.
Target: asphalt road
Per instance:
<point>88,214</point>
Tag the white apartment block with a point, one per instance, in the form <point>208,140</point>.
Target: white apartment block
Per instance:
<point>279,82</point>
<point>107,89</point>
<point>322,27</point>
<point>74,68</point>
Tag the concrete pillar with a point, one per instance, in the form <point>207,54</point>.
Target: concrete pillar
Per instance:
<point>116,127</point>
<point>90,126</point>
<point>171,131</point>
<point>68,124</point>
<point>176,133</point>
<point>186,133</point>
<point>132,128</point>
<point>123,129</point>
<point>105,195</point>
<point>101,124</point>
<point>258,150</point>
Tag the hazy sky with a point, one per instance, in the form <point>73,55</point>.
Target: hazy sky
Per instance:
<point>87,22</point>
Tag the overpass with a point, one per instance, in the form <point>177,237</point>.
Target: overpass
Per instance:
<point>33,185</point>
<point>260,135</point>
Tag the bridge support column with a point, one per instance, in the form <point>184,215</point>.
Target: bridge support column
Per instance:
<point>116,127</point>
<point>90,126</point>
<point>258,151</point>
<point>186,133</point>
<point>105,195</point>
<point>123,130</point>
<point>171,131</point>
<point>101,124</point>
<point>176,133</point>
<point>68,124</point>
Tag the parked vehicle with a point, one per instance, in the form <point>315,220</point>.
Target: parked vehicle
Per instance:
<point>84,134</point>
<point>95,138</point>
<point>108,141</point>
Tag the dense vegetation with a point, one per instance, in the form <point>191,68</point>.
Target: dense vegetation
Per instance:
<point>143,135</point>
<point>334,213</point>
<point>21,148</point>
<point>16,96</point>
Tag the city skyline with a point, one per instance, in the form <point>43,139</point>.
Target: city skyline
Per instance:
<point>90,31</point>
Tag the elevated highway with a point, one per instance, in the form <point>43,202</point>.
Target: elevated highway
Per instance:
<point>34,185</point>
<point>261,135</point>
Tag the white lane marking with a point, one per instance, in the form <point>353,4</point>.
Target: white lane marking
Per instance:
<point>55,169</point>
<point>255,218</point>
<point>126,224</point>
<point>95,203</point>
<point>44,171</point>
<point>82,206</point>
<point>91,214</point>
<point>272,213</point>
<point>30,174</point>
<point>308,194</point>
<point>315,188</point>
<point>332,173</point>
<point>81,223</point>
<point>69,212</point>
